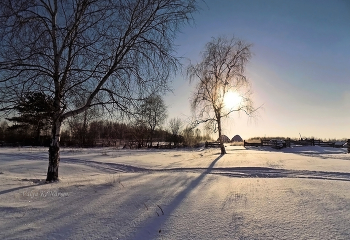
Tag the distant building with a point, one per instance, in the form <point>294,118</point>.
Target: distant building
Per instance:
<point>224,138</point>
<point>237,138</point>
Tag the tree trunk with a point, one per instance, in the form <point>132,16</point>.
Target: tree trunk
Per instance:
<point>54,152</point>
<point>37,136</point>
<point>151,136</point>
<point>223,151</point>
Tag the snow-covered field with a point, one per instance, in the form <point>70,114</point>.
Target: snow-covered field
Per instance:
<point>255,193</point>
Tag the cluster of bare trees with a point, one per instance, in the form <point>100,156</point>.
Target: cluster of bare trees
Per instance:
<point>108,133</point>
<point>17,135</point>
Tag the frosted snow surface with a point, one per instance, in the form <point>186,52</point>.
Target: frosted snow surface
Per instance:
<point>253,193</point>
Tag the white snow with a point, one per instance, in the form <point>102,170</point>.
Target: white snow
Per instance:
<point>253,193</point>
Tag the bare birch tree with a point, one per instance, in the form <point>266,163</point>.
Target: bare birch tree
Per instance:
<point>175,125</point>
<point>107,52</point>
<point>221,72</point>
<point>153,113</point>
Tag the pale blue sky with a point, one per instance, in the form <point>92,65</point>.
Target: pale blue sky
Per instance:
<point>300,70</point>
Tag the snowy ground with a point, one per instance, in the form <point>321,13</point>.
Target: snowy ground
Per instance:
<point>255,193</point>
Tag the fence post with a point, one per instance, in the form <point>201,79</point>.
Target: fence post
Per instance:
<point>243,143</point>
<point>348,145</point>
<point>262,144</point>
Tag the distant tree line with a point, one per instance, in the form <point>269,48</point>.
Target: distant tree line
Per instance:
<point>32,123</point>
<point>101,133</point>
<point>84,132</point>
<point>109,133</point>
<point>22,135</point>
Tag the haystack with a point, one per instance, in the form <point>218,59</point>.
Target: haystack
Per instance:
<point>224,138</point>
<point>237,138</point>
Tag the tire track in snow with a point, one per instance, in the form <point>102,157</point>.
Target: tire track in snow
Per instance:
<point>240,172</point>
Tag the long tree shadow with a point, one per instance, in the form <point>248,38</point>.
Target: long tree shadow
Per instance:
<point>175,202</point>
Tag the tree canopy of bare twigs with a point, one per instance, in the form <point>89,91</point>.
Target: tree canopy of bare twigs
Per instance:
<point>175,125</point>
<point>107,52</point>
<point>221,72</point>
<point>153,113</point>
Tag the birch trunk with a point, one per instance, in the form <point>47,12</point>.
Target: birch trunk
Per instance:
<point>54,153</point>
<point>223,151</point>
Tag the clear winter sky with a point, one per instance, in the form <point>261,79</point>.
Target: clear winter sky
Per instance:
<point>300,70</point>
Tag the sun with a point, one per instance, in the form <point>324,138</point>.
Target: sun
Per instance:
<point>232,100</point>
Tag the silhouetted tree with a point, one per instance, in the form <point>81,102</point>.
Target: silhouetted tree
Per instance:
<point>175,125</point>
<point>221,71</point>
<point>108,53</point>
<point>35,112</point>
<point>153,113</point>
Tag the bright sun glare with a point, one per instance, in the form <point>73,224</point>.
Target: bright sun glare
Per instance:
<point>232,100</point>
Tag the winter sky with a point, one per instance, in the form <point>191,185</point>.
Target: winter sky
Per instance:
<point>300,70</point>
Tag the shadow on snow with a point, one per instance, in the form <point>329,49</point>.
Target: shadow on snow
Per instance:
<point>176,201</point>
<point>242,172</point>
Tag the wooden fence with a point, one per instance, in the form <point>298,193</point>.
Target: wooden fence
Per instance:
<point>303,142</point>
<point>263,142</point>
<point>212,144</point>
<point>161,145</point>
